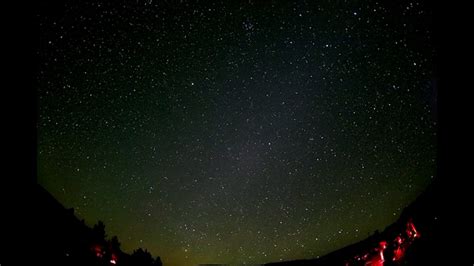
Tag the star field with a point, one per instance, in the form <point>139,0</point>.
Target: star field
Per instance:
<point>238,132</point>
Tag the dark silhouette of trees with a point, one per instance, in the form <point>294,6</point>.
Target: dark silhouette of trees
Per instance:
<point>99,230</point>
<point>142,257</point>
<point>114,243</point>
<point>63,239</point>
<point>158,262</point>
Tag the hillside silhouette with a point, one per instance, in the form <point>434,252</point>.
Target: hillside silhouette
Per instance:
<point>63,239</point>
<point>411,240</point>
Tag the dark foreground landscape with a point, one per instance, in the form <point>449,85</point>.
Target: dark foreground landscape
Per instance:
<point>411,240</point>
<point>63,239</point>
<point>414,239</point>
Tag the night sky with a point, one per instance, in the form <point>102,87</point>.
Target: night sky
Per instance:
<point>236,132</point>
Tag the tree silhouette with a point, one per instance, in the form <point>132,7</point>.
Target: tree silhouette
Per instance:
<point>63,239</point>
<point>114,243</point>
<point>158,262</point>
<point>142,257</point>
<point>99,230</point>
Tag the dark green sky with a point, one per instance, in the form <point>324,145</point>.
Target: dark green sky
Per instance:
<point>236,132</point>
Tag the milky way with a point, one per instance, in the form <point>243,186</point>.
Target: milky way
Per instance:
<point>236,132</point>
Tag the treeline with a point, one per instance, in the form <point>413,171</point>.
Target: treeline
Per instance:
<point>62,239</point>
